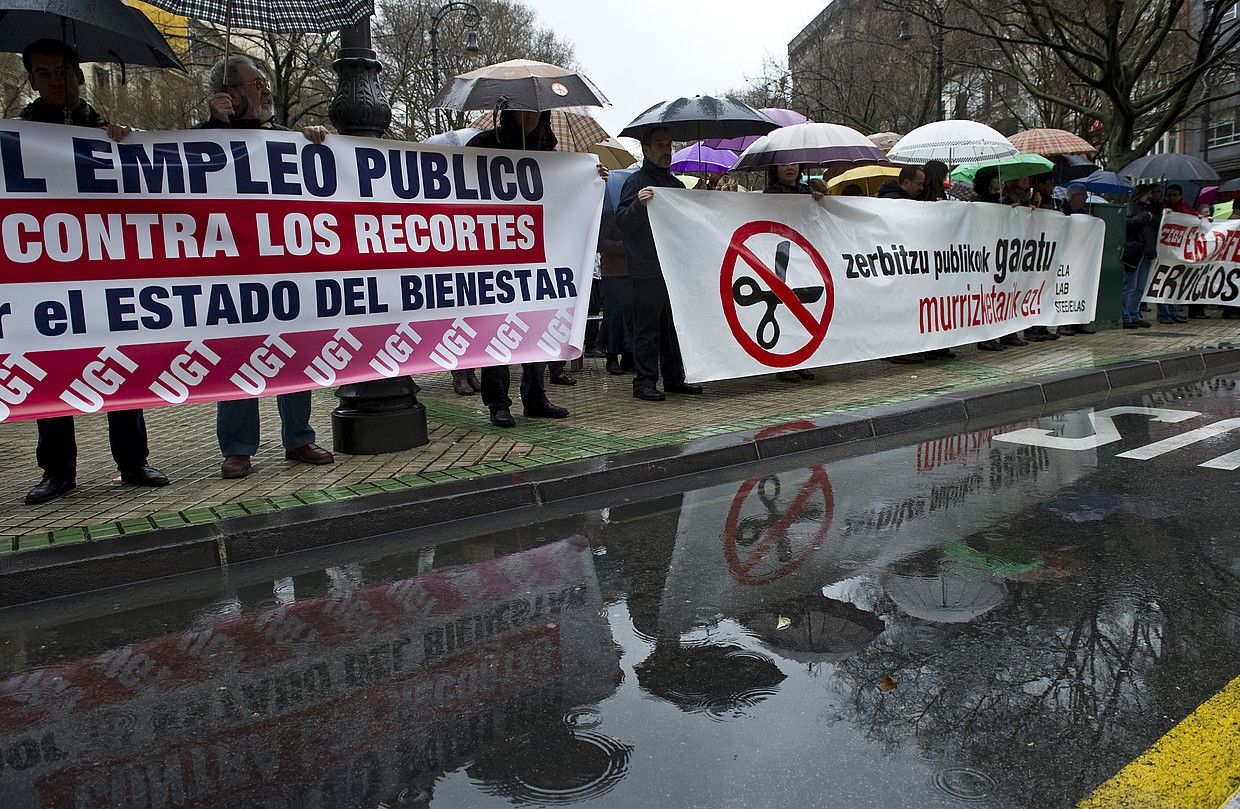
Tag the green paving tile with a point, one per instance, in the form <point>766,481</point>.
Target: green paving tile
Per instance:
<point>339,493</point>
<point>32,541</point>
<point>107,530</point>
<point>283,501</point>
<point>198,516</point>
<point>8,545</point>
<point>414,480</point>
<point>135,525</point>
<point>391,485</point>
<point>437,476</point>
<point>312,498</point>
<point>228,510</point>
<point>260,506</point>
<point>169,520</point>
<point>363,489</point>
<point>68,536</point>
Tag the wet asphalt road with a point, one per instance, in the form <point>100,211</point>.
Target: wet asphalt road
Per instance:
<point>962,621</point>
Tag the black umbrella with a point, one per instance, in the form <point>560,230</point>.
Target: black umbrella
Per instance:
<point>518,84</point>
<point>1170,166</point>
<point>701,117</point>
<point>1075,167</point>
<point>100,30</point>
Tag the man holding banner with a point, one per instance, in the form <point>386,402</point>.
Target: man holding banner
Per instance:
<point>243,100</point>
<point>655,347</point>
<point>53,70</point>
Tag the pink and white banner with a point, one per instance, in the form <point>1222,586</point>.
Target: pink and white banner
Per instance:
<point>212,264</point>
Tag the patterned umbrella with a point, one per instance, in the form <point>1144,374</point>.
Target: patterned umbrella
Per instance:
<point>885,140</point>
<point>953,142</point>
<point>699,157</point>
<point>810,145</point>
<point>1048,142</point>
<point>779,115</point>
<point>274,16</point>
<point>518,84</point>
<point>574,131</point>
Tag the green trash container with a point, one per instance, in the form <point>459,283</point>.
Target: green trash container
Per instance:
<point>1111,289</point>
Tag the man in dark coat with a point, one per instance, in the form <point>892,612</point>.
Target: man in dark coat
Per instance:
<point>655,348</point>
<point>243,100</point>
<point>907,186</point>
<point>55,75</point>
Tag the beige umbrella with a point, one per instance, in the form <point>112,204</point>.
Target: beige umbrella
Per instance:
<point>612,154</point>
<point>574,131</point>
<point>885,140</point>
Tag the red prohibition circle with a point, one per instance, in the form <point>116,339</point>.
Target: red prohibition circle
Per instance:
<point>817,327</point>
<point>742,569</point>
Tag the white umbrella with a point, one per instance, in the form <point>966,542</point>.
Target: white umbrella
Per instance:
<point>953,142</point>
<point>810,145</point>
<point>954,596</point>
<point>453,137</point>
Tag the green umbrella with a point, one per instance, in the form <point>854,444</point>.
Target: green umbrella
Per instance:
<point>1010,168</point>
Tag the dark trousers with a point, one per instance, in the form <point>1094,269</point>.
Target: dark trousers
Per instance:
<point>616,335</point>
<point>655,348</point>
<point>495,382</point>
<point>57,449</point>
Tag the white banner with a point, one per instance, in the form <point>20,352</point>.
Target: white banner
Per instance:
<point>762,283</point>
<point>1198,262</point>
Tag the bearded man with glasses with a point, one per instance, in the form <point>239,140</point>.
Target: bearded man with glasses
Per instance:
<point>243,100</point>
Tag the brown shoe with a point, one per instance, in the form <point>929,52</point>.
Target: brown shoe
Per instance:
<point>311,454</point>
<point>235,466</point>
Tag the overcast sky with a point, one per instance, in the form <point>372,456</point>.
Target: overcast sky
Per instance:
<point>641,52</point>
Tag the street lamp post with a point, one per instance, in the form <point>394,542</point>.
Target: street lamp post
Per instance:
<point>385,415</point>
<point>472,18</point>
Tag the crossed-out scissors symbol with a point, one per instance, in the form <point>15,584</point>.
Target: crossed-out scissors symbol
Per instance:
<point>752,529</point>
<point>746,292</point>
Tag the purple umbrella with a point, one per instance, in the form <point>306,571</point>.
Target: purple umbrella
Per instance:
<point>780,116</point>
<point>698,157</point>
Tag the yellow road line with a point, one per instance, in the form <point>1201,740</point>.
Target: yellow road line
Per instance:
<point>1196,765</point>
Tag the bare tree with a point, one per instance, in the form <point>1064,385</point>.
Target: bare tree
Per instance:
<point>1125,72</point>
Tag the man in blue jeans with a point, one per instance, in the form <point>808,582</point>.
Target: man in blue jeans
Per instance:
<point>243,99</point>
<point>1144,217</point>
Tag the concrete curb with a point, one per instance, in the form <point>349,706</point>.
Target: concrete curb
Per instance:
<point>62,570</point>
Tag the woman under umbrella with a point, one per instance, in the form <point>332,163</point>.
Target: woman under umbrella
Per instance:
<point>786,179</point>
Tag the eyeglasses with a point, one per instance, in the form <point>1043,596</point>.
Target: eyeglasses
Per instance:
<point>260,83</point>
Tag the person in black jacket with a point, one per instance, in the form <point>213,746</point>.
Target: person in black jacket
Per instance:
<point>531,131</point>
<point>53,70</point>
<point>655,348</point>
<point>907,186</point>
<point>1144,216</point>
<point>243,100</point>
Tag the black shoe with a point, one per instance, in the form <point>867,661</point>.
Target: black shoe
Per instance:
<point>594,352</point>
<point>908,359</point>
<point>1037,336</point>
<point>472,379</point>
<point>561,378</point>
<point>1166,321</point>
<point>787,376</point>
<point>1179,319</point>
<point>461,386</point>
<point>801,372</point>
<point>144,476</point>
<point>1082,329</point>
<point>502,417</point>
<point>1144,324</point>
<point>990,345</point>
<point>648,394</point>
<point>545,410</point>
<point>49,489</point>
<point>1065,331</point>
<point>1131,324</point>
<point>1012,340</point>
<point>684,388</point>
<point>613,367</point>
<point>940,354</point>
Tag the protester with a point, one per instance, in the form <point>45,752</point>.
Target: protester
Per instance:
<point>531,131</point>
<point>908,185</point>
<point>1140,249</point>
<point>655,348</point>
<point>1175,202</point>
<point>54,73</point>
<point>616,333</point>
<point>1044,187</point>
<point>1018,193</point>
<point>786,179</point>
<point>465,382</point>
<point>242,99</point>
<point>934,189</point>
<point>1074,205</point>
<point>989,188</point>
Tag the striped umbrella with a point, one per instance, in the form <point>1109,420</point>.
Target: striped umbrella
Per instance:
<point>574,131</point>
<point>1048,142</point>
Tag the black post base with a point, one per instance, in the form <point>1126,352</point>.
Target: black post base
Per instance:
<point>380,416</point>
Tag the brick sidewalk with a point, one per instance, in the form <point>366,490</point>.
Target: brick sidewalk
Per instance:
<point>605,418</point>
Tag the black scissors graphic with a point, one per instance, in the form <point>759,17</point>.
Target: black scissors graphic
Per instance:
<point>746,292</point>
<point>753,528</point>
